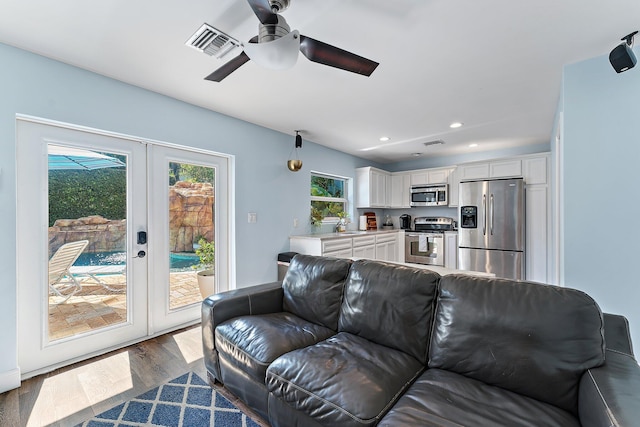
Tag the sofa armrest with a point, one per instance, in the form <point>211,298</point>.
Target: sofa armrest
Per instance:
<point>616,333</point>
<point>610,394</point>
<point>218,308</point>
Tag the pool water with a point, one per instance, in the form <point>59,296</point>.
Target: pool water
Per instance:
<point>176,260</point>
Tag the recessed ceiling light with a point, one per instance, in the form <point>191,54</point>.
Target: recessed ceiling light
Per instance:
<point>473,145</point>
<point>384,138</point>
<point>416,154</point>
<point>455,125</point>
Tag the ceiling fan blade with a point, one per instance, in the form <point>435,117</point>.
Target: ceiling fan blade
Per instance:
<point>332,56</point>
<point>228,68</point>
<point>262,9</point>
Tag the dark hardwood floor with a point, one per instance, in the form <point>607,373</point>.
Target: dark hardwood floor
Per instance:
<point>75,393</point>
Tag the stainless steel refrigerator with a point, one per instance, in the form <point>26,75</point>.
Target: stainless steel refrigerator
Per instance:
<point>491,235</point>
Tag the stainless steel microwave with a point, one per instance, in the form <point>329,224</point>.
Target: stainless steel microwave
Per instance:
<point>429,195</point>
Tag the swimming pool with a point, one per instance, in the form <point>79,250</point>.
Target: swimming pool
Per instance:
<point>176,260</point>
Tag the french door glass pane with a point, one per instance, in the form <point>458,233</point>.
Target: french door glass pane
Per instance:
<point>87,202</point>
<point>191,233</point>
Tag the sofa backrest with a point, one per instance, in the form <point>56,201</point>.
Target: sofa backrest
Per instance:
<point>389,304</point>
<point>530,338</point>
<point>313,288</point>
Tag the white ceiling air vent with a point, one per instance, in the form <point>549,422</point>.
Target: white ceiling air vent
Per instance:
<point>436,142</point>
<point>212,41</point>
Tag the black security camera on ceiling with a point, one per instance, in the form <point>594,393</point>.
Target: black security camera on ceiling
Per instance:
<point>622,57</point>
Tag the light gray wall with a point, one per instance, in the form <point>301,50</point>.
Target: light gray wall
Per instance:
<point>33,85</point>
<point>602,185</point>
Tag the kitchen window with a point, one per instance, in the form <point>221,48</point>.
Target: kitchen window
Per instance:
<point>329,196</point>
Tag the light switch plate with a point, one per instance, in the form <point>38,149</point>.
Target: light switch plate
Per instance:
<point>252,217</point>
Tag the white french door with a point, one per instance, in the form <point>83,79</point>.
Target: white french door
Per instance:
<point>132,212</point>
<point>178,225</point>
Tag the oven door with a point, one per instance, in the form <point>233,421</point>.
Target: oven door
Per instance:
<point>424,248</point>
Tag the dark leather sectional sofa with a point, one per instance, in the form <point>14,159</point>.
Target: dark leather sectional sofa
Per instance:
<point>366,343</point>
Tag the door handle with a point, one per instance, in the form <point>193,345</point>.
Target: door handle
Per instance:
<point>484,214</point>
<point>491,209</point>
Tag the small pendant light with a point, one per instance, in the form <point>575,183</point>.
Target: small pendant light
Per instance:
<point>295,164</point>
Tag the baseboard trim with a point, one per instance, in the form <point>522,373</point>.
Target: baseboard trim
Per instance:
<point>9,380</point>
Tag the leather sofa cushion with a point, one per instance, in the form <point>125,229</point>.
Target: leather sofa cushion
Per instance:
<point>390,304</point>
<point>342,381</point>
<point>251,343</point>
<point>443,398</point>
<point>313,288</point>
<point>533,339</point>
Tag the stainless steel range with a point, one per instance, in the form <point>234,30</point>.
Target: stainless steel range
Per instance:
<point>424,244</point>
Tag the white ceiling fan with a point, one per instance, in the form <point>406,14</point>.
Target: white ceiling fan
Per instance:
<point>275,46</point>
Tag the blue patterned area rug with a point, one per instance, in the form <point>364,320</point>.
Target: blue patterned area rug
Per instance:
<point>187,401</point>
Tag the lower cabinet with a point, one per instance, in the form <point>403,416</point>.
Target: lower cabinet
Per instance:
<point>451,250</point>
<point>383,246</point>
<point>364,247</point>
<point>387,247</point>
<point>339,248</point>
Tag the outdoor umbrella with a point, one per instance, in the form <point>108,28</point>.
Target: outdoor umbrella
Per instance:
<point>76,158</point>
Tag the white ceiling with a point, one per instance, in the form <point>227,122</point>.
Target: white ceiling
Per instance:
<point>495,65</point>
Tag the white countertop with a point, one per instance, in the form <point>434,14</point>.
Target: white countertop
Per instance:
<point>440,270</point>
<point>344,234</point>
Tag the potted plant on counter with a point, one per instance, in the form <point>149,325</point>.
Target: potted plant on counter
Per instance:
<point>206,279</point>
<point>343,219</point>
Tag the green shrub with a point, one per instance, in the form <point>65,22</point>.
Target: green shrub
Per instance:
<point>79,193</point>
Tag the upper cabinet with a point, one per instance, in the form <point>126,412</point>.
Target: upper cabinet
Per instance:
<point>400,195</point>
<point>430,176</point>
<point>496,169</point>
<point>376,188</point>
<point>371,188</point>
<point>454,182</point>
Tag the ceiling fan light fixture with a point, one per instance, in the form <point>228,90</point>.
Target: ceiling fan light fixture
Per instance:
<point>279,54</point>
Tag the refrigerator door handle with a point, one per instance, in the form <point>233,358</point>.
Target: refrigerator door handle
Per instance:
<point>484,214</point>
<point>491,210</point>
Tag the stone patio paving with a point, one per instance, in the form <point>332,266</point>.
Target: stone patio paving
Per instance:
<point>95,307</point>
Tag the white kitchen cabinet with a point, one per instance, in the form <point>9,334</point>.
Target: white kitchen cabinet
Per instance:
<point>537,232</point>
<point>371,245</point>
<point>505,168</point>
<point>534,170</point>
<point>400,190</point>
<point>451,249</point>
<point>341,248</point>
<point>371,187</point>
<point>454,187</point>
<point>430,176</point>
<point>387,247</point>
<point>343,253</point>
<point>364,247</point>
<point>496,169</point>
<point>473,171</point>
